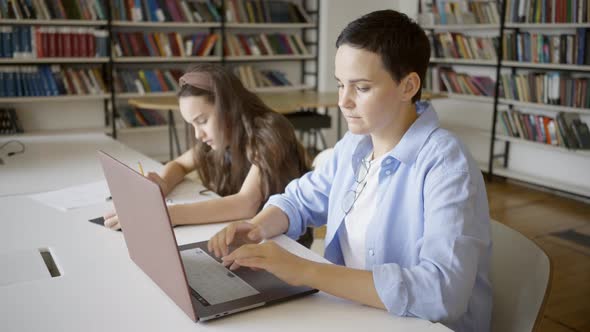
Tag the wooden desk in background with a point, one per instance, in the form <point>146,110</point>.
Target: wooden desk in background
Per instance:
<point>284,103</point>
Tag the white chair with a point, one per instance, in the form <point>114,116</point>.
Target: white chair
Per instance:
<point>520,275</point>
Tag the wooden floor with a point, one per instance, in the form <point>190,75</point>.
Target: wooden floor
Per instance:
<point>536,214</point>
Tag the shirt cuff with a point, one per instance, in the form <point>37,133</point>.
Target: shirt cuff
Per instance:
<point>391,288</point>
<point>294,230</point>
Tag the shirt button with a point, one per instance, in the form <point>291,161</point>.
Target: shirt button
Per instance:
<point>371,252</point>
<point>388,172</point>
<point>388,161</point>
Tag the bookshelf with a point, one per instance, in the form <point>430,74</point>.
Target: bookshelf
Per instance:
<point>542,76</point>
<point>560,53</point>
<point>115,17</point>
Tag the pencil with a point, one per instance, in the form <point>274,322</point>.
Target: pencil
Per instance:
<point>140,168</point>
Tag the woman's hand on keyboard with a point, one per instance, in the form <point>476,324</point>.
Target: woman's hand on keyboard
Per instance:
<point>234,235</point>
<point>273,258</point>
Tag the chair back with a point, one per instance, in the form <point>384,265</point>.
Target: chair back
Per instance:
<point>520,276</point>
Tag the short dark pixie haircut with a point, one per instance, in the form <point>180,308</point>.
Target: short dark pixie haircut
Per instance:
<point>401,43</point>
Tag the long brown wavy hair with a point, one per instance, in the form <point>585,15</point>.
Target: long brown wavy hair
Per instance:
<point>253,134</point>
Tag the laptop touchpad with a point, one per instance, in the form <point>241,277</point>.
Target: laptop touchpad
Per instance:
<point>213,281</point>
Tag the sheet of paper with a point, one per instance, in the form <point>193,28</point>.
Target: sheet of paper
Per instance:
<point>297,249</point>
<point>75,197</point>
<point>189,192</point>
<point>20,266</point>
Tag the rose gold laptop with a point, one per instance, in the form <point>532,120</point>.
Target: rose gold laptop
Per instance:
<point>199,284</point>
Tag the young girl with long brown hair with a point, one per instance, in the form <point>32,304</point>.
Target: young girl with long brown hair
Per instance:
<point>244,151</point>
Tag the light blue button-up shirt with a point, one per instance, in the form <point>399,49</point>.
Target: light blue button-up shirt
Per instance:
<point>428,244</point>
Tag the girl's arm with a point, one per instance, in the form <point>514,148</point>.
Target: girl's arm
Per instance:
<point>242,205</point>
<point>174,172</point>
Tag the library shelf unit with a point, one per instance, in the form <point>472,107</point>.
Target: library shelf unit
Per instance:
<point>50,60</point>
<point>498,163</point>
<point>305,65</point>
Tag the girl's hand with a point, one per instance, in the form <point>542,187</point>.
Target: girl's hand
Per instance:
<point>161,182</point>
<point>111,221</point>
<point>273,258</point>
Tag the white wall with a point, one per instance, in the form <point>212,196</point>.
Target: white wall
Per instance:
<point>334,16</point>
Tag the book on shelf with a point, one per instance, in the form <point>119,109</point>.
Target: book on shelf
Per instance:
<point>449,12</point>
<point>460,46</point>
<point>264,44</point>
<point>552,88</point>
<point>167,44</point>
<point>462,83</point>
<point>258,11</point>
<point>146,80</point>
<point>544,48</point>
<point>23,42</point>
<point>53,9</point>
<point>165,11</point>
<point>131,117</point>
<point>253,77</point>
<point>9,122</point>
<point>564,129</point>
<point>37,81</point>
<point>547,11</point>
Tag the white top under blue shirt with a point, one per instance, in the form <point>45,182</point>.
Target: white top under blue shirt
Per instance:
<point>429,243</point>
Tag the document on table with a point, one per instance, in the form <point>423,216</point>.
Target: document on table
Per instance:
<point>75,197</point>
<point>189,192</point>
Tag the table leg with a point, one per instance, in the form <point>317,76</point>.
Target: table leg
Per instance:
<point>170,149</point>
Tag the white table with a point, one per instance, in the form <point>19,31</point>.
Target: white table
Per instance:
<point>57,161</point>
<point>101,289</point>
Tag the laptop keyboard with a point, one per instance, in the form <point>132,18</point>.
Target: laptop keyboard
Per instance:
<point>211,280</point>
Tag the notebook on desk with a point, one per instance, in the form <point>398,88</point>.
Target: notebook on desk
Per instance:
<point>196,281</point>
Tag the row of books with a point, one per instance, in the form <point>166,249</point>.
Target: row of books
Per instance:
<point>264,44</point>
<point>165,11</point>
<point>541,48</point>
<point>253,77</point>
<point>35,81</point>
<point>459,46</point>
<point>144,81</point>
<point>548,11</point>
<point>9,122</point>
<point>164,44</point>
<point>461,83</point>
<point>43,42</point>
<point>138,117</point>
<point>546,88</point>
<point>565,129</point>
<point>258,11</point>
<point>458,12</point>
<point>53,9</point>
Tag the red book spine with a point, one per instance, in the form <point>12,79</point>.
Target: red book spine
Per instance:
<point>67,42</point>
<point>174,44</point>
<point>91,43</point>
<point>81,41</point>
<point>41,37</point>
<point>244,44</point>
<point>134,45</point>
<point>59,43</point>
<point>51,41</point>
